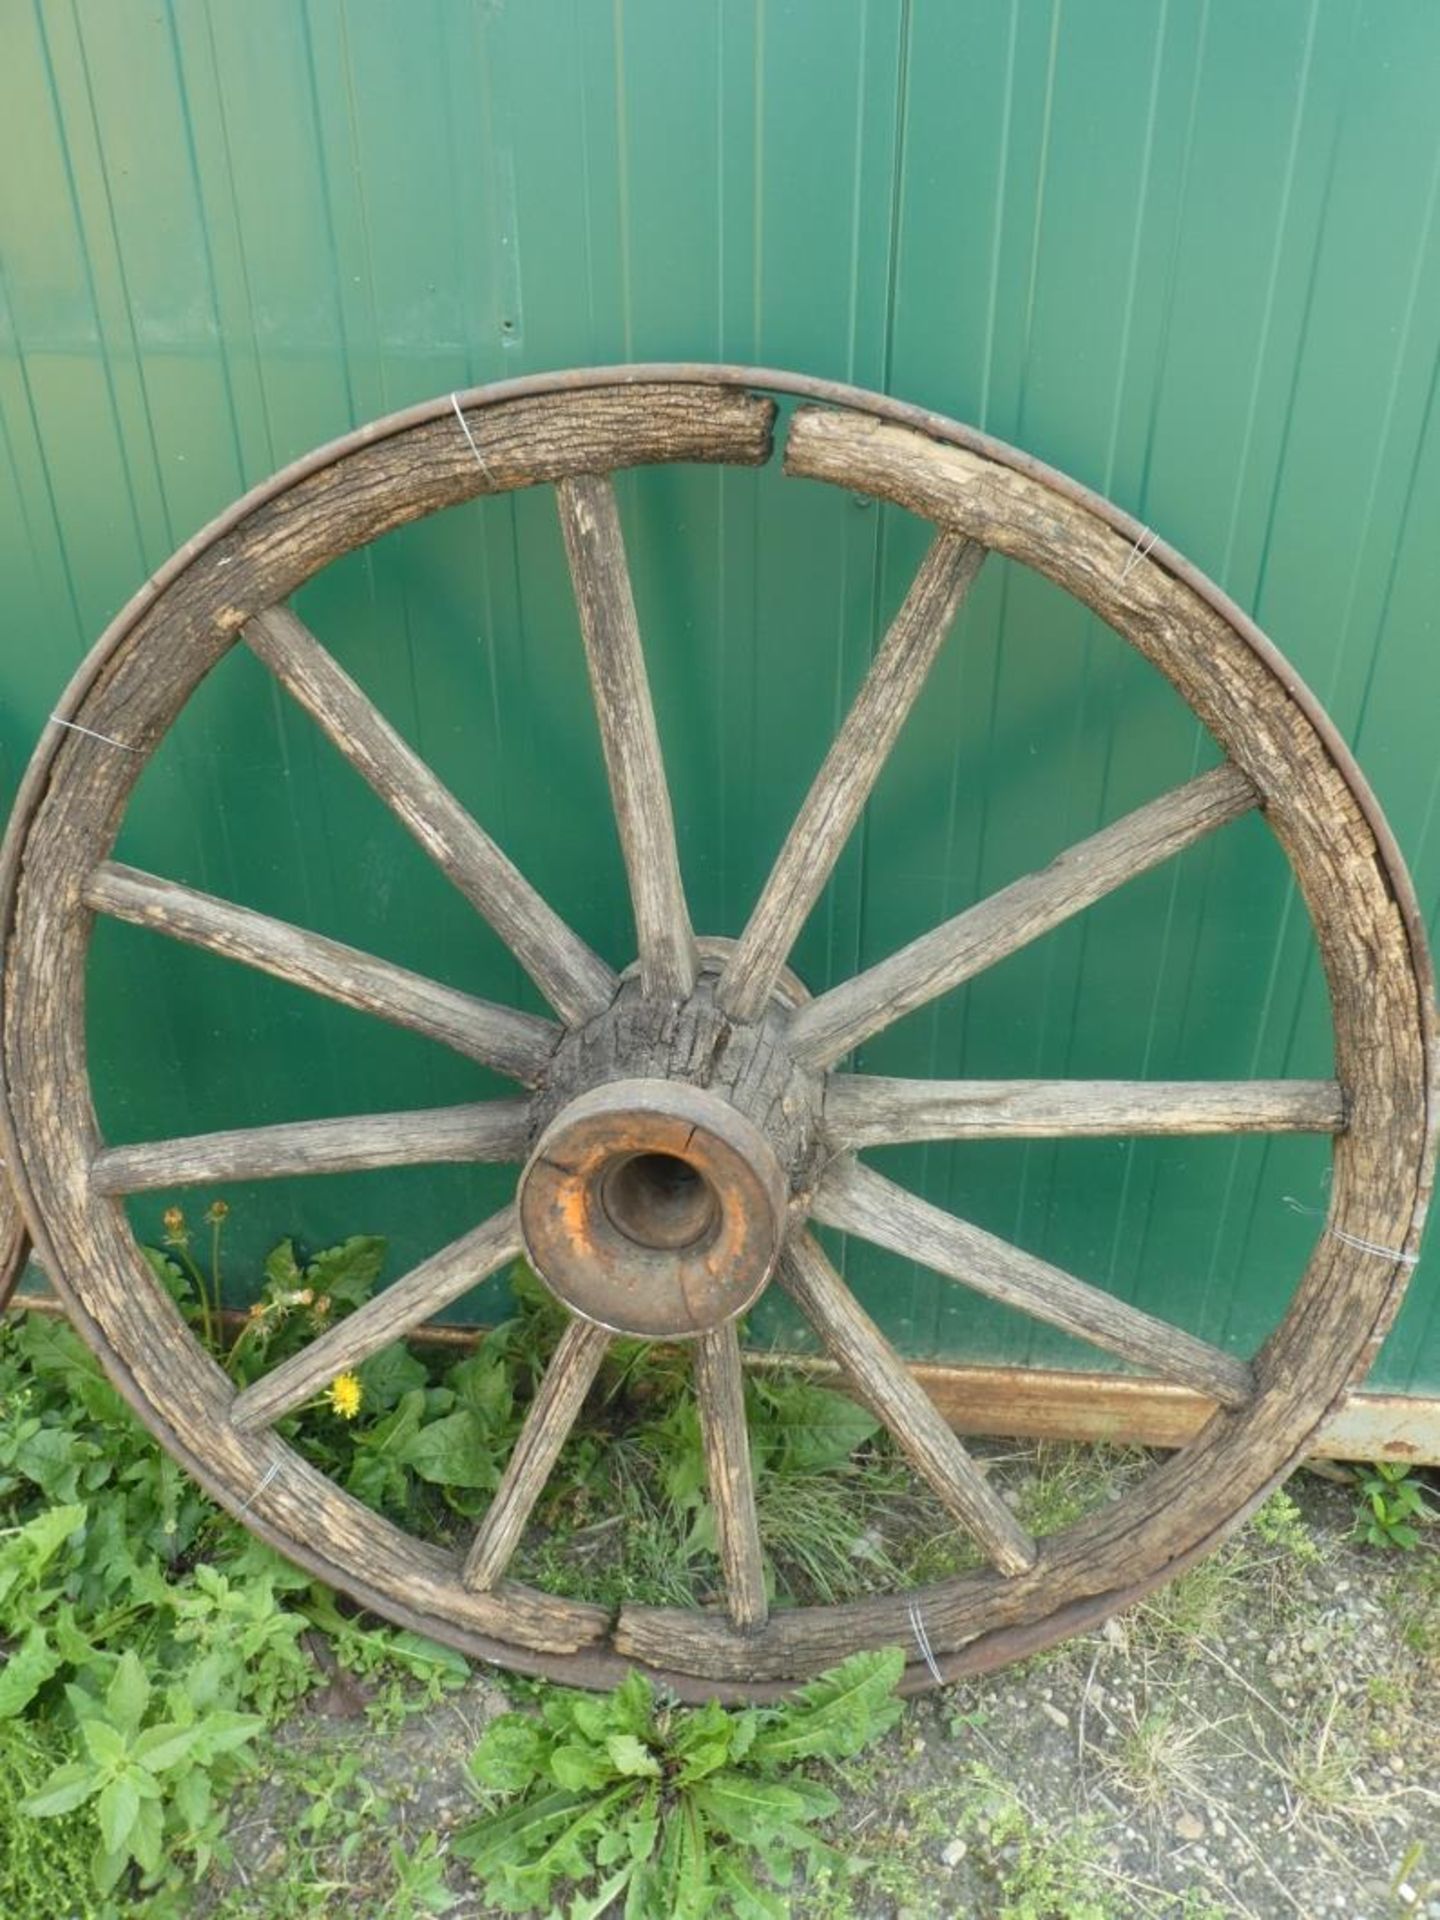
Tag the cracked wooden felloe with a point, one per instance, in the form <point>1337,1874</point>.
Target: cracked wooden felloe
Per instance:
<point>683,1119</point>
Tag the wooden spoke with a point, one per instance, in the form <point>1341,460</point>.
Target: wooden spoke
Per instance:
<point>867,1110</point>
<point>383,1318</point>
<point>554,1410</point>
<point>829,1027</point>
<point>850,770</point>
<point>887,1387</point>
<point>485,1130</point>
<point>858,1200</point>
<point>575,981</point>
<point>512,1043</point>
<point>720,1393</point>
<point>596,551</point>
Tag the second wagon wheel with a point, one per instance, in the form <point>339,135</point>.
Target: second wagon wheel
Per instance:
<point>682,1120</point>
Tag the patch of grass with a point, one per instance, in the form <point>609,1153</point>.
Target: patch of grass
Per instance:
<point>44,1864</point>
<point>1158,1756</point>
<point>1060,1483</point>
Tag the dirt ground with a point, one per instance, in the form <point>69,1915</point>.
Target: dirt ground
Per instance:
<point>1261,1739</point>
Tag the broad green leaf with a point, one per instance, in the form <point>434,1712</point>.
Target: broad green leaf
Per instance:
<point>67,1788</point>
<point>578,1767</point>
<point>25,1671</point>
<point>630,1756</point>
<point>128,1693</point>
<point>223,1730</point>
<point>104,1744</point>
<point>511,1754</point>
<point>51,1459</point>
<point>282,1269</point>
<point>147,1837</point>
<point>169,1273</point>
<point>453,1452</point>
<point>482,1383</point>
<point>117,1809</point>
<point>348,1272</point>
<point>753,1810</point>
<point>520,1834</point>
<point>192,1798</point>
<point>429,1656</point>
<point>836,1715</point>
<point>748,1900</point>
<point>40,1539</point>
<point>165,1745</point>
<point>809,1429</point>
<point>388,1375</point>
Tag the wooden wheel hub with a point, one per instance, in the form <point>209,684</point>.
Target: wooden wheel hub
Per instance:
<point>653,1208</point>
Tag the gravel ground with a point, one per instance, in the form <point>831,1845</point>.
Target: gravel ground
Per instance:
<point>1261,1739</point>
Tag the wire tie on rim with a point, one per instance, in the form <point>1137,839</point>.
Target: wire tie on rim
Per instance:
<point>465,429</point>
<point>75,727</point>
<point>1394,1254</point>
<point>1139,551</point>
<point>922,1640</point>
<point>270,1473</point>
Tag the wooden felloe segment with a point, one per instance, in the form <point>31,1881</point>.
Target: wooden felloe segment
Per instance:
<point>868,1110</point>
<point>553,1412</point>
<point>850,770</point>
<point>512,1043</point>
<point>881,1380</point>
<point>575,981</point>
<point>1278,746</point>
<point>595,548</point>
<point>386,1317</point>
<point>484,1130</point>
<point>858,1200</point>
<point>720,1396</point>
<point>829,1027</point>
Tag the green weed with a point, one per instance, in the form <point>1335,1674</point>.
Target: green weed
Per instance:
<point>1392,1506</point>
<point>677,1812</point>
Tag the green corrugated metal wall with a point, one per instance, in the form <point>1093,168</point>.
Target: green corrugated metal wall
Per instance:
<point>1187,252</point>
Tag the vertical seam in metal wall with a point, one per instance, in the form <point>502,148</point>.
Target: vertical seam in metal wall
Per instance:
<point>622,175</point>
<point>1016,1231</point>
<point>1093,626</point>
<point>1292,902</point>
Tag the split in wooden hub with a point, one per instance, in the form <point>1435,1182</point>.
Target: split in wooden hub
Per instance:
<point>654,1208</point>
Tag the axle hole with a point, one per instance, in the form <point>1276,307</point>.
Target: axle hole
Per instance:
<point>658,1200</point>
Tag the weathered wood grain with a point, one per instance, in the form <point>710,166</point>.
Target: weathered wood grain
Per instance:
<point>858,1200</point>
<point>720,1396</point>
<point>848,774</point>
<point>386,1316</point>
<point>553,1412</point>
<point>1353,884</point>
<point>831,1025</point>
<point>483,1130</point>
<point>595,548</point>
<point>575,981</point>
<point>882,1381</point>
<point>515,1044</point>
<point>156,652</point>
<point>869,1110</point>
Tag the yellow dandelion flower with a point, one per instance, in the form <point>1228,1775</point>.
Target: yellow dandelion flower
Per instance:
<point>345,1395</point>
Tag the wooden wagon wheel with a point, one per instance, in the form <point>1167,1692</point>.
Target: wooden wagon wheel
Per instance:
<point>681,1121</point>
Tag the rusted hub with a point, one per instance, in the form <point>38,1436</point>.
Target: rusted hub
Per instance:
<point>654,1207</point>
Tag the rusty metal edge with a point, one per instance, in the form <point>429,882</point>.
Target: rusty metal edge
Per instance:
<point>1068,1405</point>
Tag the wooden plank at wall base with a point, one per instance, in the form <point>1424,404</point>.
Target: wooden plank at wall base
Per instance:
<point>1048,1403</point>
